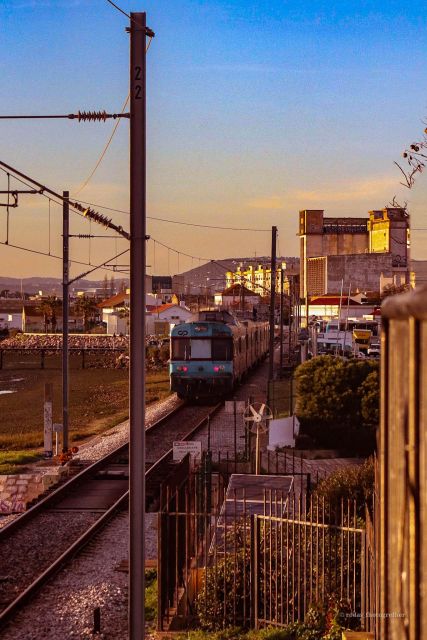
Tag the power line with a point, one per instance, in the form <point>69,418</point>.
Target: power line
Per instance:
<point>187,224</point>
<point>149,32</point>
<point>104,151</point>
<point>85,213</point>
<point>113,4</point>
<point>181,252</point>
<point>52,255</point>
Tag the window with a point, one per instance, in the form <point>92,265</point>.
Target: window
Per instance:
<point>222,349</point>
<point>181,349</point>
<point>201,349</point>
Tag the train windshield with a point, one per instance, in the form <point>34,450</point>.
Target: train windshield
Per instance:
<point>222,349</point>
<point>201,349</point>
<point>181,349</point>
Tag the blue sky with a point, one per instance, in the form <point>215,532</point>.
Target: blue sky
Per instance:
<point>255,110</point>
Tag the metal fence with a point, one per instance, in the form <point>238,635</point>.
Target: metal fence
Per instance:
<point>245,555</point>
<point>50,357</point>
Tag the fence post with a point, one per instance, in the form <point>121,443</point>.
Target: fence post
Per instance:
<point>159,573</point>
<point>254,571</point>
<point>363,581</point>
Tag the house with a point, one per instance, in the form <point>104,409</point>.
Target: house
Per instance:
<point>237,297</point>
<point>10,314</point>
<point>161,318</point>
<point>33,321</point>
<point>328,307</point>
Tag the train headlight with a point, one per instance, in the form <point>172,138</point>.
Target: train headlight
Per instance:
<point>182,368</point>
<point>219,368</point>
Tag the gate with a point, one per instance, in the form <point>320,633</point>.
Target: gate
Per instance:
<point>238,560</point>
<point>308,559</point>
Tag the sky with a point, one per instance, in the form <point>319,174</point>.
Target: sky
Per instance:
<point>255,110</point>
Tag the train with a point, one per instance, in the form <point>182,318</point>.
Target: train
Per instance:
<point>212,352</point>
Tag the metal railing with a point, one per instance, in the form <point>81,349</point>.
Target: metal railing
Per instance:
<point>254,557</point>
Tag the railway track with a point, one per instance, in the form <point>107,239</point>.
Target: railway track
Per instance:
<point>37,545</point>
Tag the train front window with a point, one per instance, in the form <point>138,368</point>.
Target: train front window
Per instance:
<point>181,349</point>
<point>222,349</point>
<point>201,349</point>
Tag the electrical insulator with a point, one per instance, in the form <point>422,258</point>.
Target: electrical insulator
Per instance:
<point>89,116</point>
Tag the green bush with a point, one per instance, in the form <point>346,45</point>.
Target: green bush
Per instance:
<point>349,483</point>
<point>227,580</point>
<point>338,402</point>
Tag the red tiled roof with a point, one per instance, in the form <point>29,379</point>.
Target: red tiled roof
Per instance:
<point>334,300</point>
<point>235,289</point>
<point>164,307</point>
<point>114,301</point>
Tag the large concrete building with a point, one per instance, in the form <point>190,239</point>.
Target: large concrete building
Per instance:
<point>357,253</point>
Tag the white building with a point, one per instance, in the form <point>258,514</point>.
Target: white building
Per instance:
<point>160,319</point>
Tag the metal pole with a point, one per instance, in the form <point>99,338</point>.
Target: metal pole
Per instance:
<point>281,320</point>
<point>290,321</point>
<point>65,278</point>
<point>137,326</point>
<point>339,319</point>
<point>272,300</point>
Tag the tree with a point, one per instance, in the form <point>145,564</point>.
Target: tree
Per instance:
<point>112,286</point>
<point>49,308</point>
<point>54,304</point>
<point>337,401</point>
<point>105,289</point>
<point>86,307</point>
<point>45,309</point>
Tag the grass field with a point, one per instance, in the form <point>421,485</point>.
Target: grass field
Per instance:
<point>98,400</point>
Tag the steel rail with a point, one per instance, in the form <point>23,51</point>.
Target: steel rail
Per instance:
<point>88,471</point>
<point>15,606</point>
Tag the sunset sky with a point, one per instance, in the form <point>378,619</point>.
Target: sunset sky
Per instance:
<point>256,109</point>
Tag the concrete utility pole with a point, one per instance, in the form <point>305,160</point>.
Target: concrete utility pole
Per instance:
<point>138,32</point>
<point>272,300</point>
<point>65,296</point>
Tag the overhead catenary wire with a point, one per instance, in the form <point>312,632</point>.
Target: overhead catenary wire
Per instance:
<point>149,32</point>
<point>51,255</point>
<point>104,151</point>
<point>98,266</point>
<point>180,222</point>
<point>51,199</point>
<point>84,212</point>
<point>116,6</point>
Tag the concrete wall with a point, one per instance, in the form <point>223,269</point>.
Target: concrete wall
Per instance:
<point>361,271</point>
<point>345,243</point>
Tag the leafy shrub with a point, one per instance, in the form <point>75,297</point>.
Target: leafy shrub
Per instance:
<point>338,402</point>
<point>349,483</point>
<point>229,580</point>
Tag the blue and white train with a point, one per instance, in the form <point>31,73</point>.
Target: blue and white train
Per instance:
<point>212,352</point>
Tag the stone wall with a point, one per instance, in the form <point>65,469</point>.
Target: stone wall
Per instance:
<point>18,491</point>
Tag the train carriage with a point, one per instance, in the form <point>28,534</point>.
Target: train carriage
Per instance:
<point>212,352</point>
